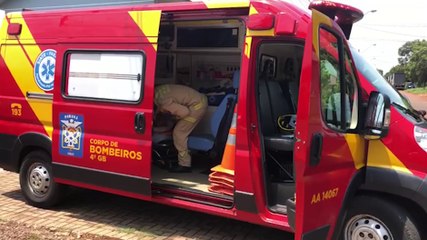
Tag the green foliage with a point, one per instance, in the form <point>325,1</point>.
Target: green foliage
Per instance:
<point>396,69</point>
<point>413,62</point>
<point>418,90</point>
<point>328,78</point>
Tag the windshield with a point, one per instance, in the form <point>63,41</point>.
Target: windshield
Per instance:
<point>374,77</point>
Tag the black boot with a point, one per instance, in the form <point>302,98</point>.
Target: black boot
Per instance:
<point>180,169</point>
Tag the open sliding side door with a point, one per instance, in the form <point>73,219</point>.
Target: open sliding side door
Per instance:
<point>328,150</point>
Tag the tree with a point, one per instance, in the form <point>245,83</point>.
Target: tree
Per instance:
<point>408,49</point>
<point>418,64</point>
<point>412,62</point>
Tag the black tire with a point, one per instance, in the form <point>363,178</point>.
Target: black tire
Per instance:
<point>372,217</point>
<point>36,180</point>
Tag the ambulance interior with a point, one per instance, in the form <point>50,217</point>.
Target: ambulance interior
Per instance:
<point>204,55</point>
<point>278,74</point>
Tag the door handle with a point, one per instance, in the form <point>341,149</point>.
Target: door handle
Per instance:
<point>139,122</point>
<point>316,149</point>
<point>253,127</point>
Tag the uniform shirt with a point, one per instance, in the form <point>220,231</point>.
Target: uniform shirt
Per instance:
<point>176,99</point>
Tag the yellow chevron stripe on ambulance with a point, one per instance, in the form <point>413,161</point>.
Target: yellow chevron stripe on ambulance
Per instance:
<point>20,57</point>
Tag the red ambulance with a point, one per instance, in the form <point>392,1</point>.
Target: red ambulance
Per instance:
<point>296,141</point>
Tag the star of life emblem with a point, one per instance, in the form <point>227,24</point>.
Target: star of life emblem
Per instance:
<point>44,69</point>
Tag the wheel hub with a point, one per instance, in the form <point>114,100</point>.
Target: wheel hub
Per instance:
<point>367,228</point>
<point>39,180</point>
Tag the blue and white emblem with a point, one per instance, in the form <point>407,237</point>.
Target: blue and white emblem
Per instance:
<point>71,135</point>
<point>44,69</point>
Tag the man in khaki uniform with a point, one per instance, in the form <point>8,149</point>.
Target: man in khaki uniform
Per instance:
<point>189,106</point>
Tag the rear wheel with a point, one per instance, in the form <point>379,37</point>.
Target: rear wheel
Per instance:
<point>36,181</point>
<point>371,218</point>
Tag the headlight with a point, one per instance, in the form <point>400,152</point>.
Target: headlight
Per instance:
<point>420,135</point>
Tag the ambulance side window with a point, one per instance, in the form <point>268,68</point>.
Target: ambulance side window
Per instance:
<point>105,76</point>
<point>337,83</point>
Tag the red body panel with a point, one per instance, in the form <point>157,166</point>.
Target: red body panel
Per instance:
<point>411,155</point>
<point>11,94</point>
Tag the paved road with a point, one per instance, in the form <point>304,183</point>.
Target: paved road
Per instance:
<point>105,214</point>
<point>419,102</point>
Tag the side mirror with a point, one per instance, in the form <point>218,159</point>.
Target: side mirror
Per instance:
<point>377,119</point>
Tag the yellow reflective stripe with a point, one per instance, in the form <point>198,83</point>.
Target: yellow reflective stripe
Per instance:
<point>20,60</point>
<point>380,156</point>
<point>153,40</point>
<point>252,10</point>
<point>260,33</point>
<point>183,153</point>
<point>356,144</point>
<point>25,38</point>
<point>199,105</point>
<point>3,31</point>
<point>248,42</point>
<point>190,119</point>
<point>149,23</point>
<point>226,3</point>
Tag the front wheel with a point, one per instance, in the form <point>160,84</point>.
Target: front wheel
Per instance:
<point>36,180</point>
<point>372,218</point>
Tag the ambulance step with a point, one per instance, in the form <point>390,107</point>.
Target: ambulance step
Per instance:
<point>282,209</point>
<point>216,200</point>
<point>290,207</point>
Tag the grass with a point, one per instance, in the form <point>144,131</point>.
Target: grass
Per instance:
<point>34,237</point>
<point>419,90</point>
<point>131,230</point>
<point>127,230</point>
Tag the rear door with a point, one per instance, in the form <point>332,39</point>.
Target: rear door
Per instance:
<point>328,150</point>
<point>103,107</point>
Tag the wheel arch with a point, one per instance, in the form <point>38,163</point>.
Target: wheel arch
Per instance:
<point>351,192</point>
<point>397,187</point>
<point>409,204</point>
<point>27,143</point>
<point>389,182</point>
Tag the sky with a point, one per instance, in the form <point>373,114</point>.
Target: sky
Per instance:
<point>380,34</point>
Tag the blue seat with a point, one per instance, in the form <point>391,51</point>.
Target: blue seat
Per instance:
<point>205,142</point>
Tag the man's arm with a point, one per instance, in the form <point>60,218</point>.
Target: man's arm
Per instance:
<point>176,109</point>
